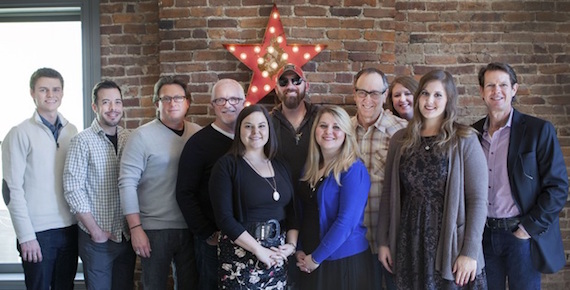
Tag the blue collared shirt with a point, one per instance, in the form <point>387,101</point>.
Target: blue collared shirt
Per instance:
<point>54,128</point>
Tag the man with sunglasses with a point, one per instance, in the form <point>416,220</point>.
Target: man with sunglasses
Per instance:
<point>198,157</point>
<point>292,119</point>
<point>374,128</point>
<point>147,188</point>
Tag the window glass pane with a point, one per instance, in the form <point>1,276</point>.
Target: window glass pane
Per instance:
<point>25,48</point>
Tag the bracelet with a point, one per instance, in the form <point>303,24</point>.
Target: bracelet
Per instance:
<point>313,259</point>
<point>294,246</point>
<point>133,227</point>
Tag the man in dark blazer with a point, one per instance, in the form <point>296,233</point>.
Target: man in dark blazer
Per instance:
<point>528,187</point>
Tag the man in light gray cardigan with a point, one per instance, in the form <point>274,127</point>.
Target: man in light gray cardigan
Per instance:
<point>147,186</point>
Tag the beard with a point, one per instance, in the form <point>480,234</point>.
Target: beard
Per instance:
<point>109,122</point>
<point>292,102</point>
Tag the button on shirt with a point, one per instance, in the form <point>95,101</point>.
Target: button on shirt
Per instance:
<point>90,179</point>
<point>496,148</point>
<point>373,144</point>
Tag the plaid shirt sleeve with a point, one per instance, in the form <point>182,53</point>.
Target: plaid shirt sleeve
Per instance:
<point>75,176</point>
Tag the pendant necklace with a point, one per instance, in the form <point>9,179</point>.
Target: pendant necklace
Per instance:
<point>276,195</point>
<point>425,141</point>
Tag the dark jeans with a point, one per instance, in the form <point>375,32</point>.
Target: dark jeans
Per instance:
<point>59,265</point>
<point>381,275</point>
<point>508,256</point>
<point>207,261</point>
<point>107,265</point>
<point>170,247</point>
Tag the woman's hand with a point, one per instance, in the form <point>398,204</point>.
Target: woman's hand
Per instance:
<point>266,256</point>
<point>465,270</point>
<point>284,251</point>
<point>309,264</point>
<point>385,258</point>
<point>300,255</point>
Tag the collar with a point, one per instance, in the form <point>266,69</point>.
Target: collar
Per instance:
<point>379,124</point>
<point>227,134</point>
<point>508,124</point>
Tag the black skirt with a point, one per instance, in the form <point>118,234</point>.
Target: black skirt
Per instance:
<point>353,272</point>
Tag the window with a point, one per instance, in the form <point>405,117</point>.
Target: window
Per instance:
<point>72,45</point>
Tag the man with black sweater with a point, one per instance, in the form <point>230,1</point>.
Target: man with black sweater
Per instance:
<point>196,161</point>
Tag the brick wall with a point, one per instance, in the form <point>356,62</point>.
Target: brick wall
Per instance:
<point>144,39</point>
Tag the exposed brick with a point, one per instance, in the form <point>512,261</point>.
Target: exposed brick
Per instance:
<point>343,34</point>
<point>360,46</point>
<point>424,38</point>
<point>222,23</point>
<point>322,22</point>
<point>441,6</point>
<point>206,11</point>
<point>380,35</point>
<point>474,6</point>
<point>410,6</point>
<point>357,23</point>
<point>348,3</point>
<point>188,3</point>
<point>174,13</point>
<point>379,13</point>
<point>423,16</point>
<point>310,11</point>
<point>356,56</point>
<point>241,12</point>
<point>538,6</point>
<point>345,12</point>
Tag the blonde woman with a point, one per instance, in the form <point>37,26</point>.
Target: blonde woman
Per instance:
<point>434,202</point>
<point>333,250</point>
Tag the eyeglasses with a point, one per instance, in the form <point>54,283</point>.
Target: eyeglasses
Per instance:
<point>283,82</point>
<point>373,94</point>
<point>222,101</point>
<point>168,100</point>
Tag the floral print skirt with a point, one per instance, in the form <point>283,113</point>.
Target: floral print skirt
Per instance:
<point>240,269</point>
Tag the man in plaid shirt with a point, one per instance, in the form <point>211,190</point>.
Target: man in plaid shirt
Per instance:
<point>374,128</point>
<point>90,181</point>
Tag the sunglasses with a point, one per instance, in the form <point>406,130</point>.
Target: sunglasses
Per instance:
<point>283,82</point>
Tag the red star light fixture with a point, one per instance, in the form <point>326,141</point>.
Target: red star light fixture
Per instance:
<point>267,58</point>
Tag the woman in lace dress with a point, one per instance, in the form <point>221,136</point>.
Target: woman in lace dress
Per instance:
<point>434,201</point>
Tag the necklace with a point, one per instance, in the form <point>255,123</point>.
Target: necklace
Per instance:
<point>425,141</point>
<point>276,195</point>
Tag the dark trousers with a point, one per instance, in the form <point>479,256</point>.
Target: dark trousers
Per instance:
<point>59,264</point>
<point>107,265</point>
<point>171,247</point>
<point>508,256</point>
<point>207,261</point>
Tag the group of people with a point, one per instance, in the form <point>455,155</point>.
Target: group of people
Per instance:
<point>399,196</point>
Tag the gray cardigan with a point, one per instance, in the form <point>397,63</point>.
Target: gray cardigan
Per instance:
<point>464,210</point>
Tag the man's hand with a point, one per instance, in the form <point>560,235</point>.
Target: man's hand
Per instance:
<point>31,251</point>
<point>140,242</point>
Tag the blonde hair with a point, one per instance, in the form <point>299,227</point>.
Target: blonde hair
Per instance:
<point>450,131</point>
<point>349,152</point>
